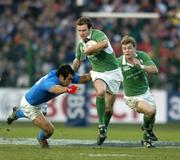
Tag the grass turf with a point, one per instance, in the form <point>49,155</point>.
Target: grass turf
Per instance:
<point>131,132</point>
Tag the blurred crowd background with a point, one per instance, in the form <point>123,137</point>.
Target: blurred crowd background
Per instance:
<point>38,35</point>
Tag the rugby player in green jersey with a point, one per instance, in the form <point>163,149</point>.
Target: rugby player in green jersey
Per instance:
<point>135,65</point>
<point>105,73</point>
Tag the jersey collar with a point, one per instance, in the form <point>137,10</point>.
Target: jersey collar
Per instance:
<point>124,62</point>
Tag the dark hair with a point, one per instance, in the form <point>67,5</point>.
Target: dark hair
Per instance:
<point>84,20</point>
<point>64,70</point>
<point>128,39</point>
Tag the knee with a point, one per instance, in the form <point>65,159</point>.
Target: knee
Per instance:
<point>52,130</point>
<point>152,112</point>
<point>100,93</point>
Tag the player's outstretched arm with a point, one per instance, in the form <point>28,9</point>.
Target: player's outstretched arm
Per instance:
<point>76,64</point>
<point>57,89</point>
<point>85,78</point>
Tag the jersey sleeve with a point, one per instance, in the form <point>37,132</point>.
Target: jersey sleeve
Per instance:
<point>80,55</point>
<point>49,85</point>
<point>76,78</point>
<point>99,36</point>
<point>147,60</point>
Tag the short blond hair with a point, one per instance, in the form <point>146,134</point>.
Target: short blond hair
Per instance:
<point>128,39</point>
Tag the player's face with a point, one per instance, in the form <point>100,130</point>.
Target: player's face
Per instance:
<point>83,31</point>
<point>67,80</point>
<point>129,50</point>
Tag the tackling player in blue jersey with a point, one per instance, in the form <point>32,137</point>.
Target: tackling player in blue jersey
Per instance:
<point>53,84</point>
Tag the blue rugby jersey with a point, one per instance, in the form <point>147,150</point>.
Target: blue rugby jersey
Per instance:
<point>40,91</point>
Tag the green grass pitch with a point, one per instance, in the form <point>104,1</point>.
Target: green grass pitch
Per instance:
<point>168,148</point>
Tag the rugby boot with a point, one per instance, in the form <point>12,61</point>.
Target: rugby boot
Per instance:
<point>147,140</point>
<point>12,117</point>
<point>149,131</point>
<point>43,143</point>
<point>102,135</point>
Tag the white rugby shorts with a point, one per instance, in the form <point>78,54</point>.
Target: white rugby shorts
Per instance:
<point>132,100</point>
<point>30,111</point>
<point>112,79</point>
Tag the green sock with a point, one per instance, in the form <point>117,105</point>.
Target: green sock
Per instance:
<point>149,122</point>
<point>152,122</point>
<point>107,117</point>
<point>100,105</point>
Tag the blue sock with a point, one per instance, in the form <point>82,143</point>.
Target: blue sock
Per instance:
<point>20,114</point>
<point>43,135</point>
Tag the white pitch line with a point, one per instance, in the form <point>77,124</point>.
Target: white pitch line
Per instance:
<point>78,142</point>
<point>106,155</point>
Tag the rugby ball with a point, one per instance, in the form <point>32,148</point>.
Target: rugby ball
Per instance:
<point>90,43</point>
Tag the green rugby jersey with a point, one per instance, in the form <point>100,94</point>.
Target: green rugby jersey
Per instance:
<point>134,79</point>
<point>103,60</point>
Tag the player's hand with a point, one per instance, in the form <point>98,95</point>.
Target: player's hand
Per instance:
<point>88,46</point>
<point>85,50</point>
<point>137,63</point>
<point>72,89</point>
